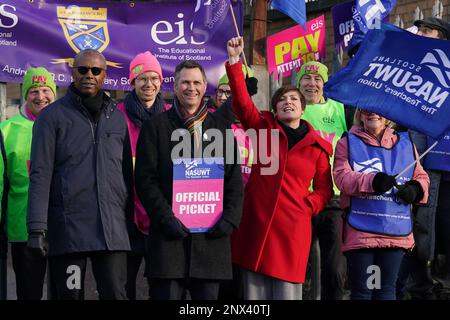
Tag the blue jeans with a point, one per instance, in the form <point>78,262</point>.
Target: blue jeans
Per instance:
<point>373,272</point>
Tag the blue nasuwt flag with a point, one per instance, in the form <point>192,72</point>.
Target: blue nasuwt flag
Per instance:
<point>368,15</point>
<point>208,16</point>
<point>296,9</point>
<point>400,76</point>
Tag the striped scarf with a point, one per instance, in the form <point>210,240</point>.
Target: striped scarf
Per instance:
<point>193,123</point>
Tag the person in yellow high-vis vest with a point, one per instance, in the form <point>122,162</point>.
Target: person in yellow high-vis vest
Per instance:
<point>328,119</point>
<point>38,90</point>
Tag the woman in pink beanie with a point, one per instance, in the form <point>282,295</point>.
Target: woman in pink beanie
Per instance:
<point>141,104</point>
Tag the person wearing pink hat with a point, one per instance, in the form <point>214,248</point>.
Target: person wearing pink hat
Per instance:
<point>141,104</point>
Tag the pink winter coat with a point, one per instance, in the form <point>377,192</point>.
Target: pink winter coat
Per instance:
<point>353,183</point>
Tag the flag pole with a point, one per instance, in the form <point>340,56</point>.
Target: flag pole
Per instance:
<point>418,159</point>
<point>237,32</point>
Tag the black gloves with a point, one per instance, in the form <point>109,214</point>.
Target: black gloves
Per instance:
<point>410,192</point>
<point>221,229</point>
<point>383,182</point>
<point>37,243</point>
<point>172,228</point>
<point>252,85</point>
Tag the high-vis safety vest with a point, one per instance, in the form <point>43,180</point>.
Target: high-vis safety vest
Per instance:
<point>17,133</point>
<point>381,213</point>
<point>3,193</point>
<point>328,119</point>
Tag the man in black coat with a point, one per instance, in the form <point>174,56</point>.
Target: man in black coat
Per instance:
<point>431,224</point>
<point>179,259</point>
<point>81,185</point>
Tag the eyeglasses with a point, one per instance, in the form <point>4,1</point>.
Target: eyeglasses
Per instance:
<point>83,70</point>
<point>144,80</point>
<point>221,92</point>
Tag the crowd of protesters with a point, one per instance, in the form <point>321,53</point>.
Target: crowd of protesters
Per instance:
<point>84,177</point>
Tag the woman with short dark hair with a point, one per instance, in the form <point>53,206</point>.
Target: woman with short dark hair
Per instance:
<point>272,243</point>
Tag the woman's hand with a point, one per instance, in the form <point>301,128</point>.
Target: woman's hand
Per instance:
<point>235,46</point>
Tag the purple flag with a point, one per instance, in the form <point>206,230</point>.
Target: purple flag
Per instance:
<point>50,33</point>
<point>208,16</point>
<point>368,15</point>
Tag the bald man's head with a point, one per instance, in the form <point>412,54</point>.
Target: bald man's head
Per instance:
<point>89,52</point>
<point>89,72</point>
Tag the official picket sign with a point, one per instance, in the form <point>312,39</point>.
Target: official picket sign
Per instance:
<point>401,76</point>
<point>197,198</point>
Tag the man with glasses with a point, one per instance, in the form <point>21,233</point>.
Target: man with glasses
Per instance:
<point>141,104</point>
<point>81,185</point>
<point>221,95</point>
<point>223,91</point>
<point>432,221</point>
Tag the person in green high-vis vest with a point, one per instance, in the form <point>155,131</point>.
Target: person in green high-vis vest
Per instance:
<point>328,119</point>
<point>3,235</point>
<point>38,90</point>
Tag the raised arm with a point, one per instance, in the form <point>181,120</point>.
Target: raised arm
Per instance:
<point>243,106</point>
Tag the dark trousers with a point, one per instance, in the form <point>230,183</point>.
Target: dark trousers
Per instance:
<point>421,285</point>
<point>68,272</point>
<point>443,222</point>
<point>175,289</point>
<point>333,268</point>
<point>415,278</point>
<point>29,269</point>
<point>134,261</point>
<point>232,289</point>
<point>360,271</point>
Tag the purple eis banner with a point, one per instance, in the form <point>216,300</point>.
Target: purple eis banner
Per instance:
<point>49,33</point>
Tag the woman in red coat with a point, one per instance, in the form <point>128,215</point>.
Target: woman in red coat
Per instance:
<point>273,240</point>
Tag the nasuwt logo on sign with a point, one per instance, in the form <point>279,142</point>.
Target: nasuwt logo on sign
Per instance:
<point>192,170</point>
<point>407,80</point>
<point>368,166</point>
<point>437,61</point>
<point>191,165</point>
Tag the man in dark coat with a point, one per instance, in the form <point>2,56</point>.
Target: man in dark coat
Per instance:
<point>80,185</point>
<point>179,259</point>
<point>432,223</point>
